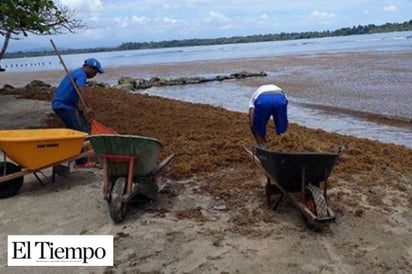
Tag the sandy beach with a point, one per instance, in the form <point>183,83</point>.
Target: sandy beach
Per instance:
<point>211,214</point>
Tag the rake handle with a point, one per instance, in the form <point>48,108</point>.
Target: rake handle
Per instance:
<point>69,75</point>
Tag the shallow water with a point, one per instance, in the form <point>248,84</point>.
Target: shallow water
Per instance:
<point>377,85</point>
<point>234,97</point>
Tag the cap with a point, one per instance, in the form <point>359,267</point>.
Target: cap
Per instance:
<point>94,63</point>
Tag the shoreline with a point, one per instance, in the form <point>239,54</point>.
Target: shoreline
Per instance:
<point>373,117</point>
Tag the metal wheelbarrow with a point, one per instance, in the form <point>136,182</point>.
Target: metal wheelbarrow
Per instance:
<point>130,169</point>
<point>301,173</point>
<point>30,150</point>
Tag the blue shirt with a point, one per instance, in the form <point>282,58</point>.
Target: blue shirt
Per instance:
<point>66,96</point>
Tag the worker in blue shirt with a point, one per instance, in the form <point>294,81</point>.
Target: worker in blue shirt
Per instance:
<point>66,99</point>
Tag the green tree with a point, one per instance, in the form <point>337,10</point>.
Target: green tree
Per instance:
<point>40,17</point>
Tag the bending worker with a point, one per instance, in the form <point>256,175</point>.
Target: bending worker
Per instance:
<point>66,99</point>
<point>266,101</point>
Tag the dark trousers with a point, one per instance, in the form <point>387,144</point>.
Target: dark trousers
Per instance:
<point>70,120</point>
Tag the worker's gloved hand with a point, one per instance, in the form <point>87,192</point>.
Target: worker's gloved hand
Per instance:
<point>90,114</point>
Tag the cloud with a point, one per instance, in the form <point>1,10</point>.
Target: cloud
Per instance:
<point>390,8</point>
<point>120,23</point>
<point>139,19</point>
<point>322,14</point>
<point>219,16</point>
<point>169,20</point>
<point>82,6</point>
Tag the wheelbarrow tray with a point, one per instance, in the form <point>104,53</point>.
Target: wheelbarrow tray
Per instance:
<point>145,149</point>
<point>286,167</point>
<point>298,172</point>
<point>34,149</point>
<point>130,169</point>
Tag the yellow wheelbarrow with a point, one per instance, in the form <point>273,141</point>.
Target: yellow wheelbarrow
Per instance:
<point>31,150</point>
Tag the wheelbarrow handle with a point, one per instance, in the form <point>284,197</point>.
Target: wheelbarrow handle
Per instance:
<point>162,165</point>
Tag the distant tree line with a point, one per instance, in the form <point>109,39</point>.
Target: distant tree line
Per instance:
<point>368,29</point>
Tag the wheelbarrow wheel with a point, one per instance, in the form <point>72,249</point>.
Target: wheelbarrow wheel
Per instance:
<point>11,187</point>
<point>317,201</point>
<point>118,207</point>
<point>314,202</point>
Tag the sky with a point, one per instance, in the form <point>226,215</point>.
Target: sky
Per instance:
<point>109,23</point>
